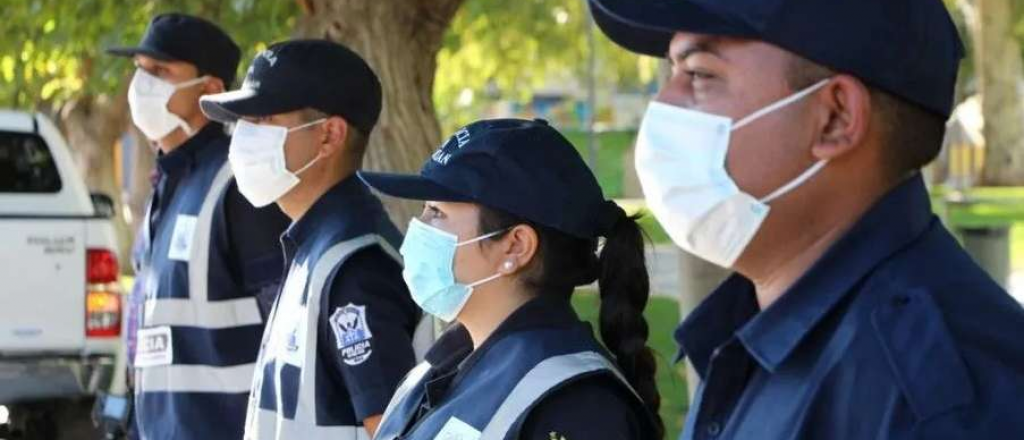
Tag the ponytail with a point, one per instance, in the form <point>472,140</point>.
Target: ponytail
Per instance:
<point>567,262</point>
<point>625,288</point>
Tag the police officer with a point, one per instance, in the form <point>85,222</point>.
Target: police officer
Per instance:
<point>207,253</point>
<point>340,335</point>
<point>510,228</point>
<point>787,146</point>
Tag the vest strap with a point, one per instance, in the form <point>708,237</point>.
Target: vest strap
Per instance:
<point>196,378</point>
<point>270,425</point>
<point>538,382</point>
<point>196,310</point>
<point>414,378</point>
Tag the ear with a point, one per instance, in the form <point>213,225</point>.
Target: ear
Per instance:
<point>333,136</point>
<point>213,85</point>
<point>844,112</point>
<point>519,247</point>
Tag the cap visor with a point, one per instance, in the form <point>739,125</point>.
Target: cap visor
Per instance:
<point>229,106</point>
<point>411,186</point>
<point>647,27</point>
<point>140,50</point>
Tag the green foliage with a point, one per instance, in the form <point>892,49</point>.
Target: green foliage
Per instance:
<point>507,49</point>
<point>53,50</point>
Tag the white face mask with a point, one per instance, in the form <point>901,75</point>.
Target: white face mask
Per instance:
<point>680,160</point>
<point>257,159</point>
<point>148,97</point>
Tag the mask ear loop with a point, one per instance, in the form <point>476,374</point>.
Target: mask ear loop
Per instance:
<point>810,172</point>
<point>793,184</point>
<point>780,104</point>
<point>183,85</point>
<point>318,156</point>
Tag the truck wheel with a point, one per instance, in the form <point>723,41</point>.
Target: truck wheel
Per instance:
<point>53,420</point>
<point>73,419</point>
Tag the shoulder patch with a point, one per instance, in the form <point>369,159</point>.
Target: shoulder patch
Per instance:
<point>352,333</point>
<point>921,351</point>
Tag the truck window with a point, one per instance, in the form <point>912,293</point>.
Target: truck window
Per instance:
<point>26,165</point>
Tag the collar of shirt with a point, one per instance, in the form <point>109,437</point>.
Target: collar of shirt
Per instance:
<point>453,353</point>
<point>772,335</point>
<point>182,158</point>
<point>338,209</point>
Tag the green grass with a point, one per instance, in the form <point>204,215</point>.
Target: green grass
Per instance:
<point>611,149</point>
<point>663,316</point>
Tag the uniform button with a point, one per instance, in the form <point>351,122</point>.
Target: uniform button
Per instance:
<point>714,428</point>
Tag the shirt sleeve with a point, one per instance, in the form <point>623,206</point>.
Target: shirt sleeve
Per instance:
<point>366,326</point>
<point>254,244</point>
<point>591,409</point>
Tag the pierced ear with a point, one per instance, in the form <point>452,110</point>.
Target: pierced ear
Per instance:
<point>845,112</point>
<point>522,247</point>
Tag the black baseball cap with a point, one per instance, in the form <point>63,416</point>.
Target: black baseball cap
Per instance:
<point>908,48</point>
<point>523,167</point>
<point>180,37</point>
<point>298,74</point>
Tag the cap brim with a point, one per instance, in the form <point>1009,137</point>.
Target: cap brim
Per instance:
<point>647,27</point>
<point>140,50</point>
<point>229,106</point>
<point>412,187</point>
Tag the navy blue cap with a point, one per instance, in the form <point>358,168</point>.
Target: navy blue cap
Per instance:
<point>908,48</point>
<point>298,74</point>
<point>525,168</point>
<point>180,37</point>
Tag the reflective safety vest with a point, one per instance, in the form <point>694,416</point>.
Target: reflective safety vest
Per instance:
<point>494,397</point>
<point>199,333</point>
<point>283,402</point>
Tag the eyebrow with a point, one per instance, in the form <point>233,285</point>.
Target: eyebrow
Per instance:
<point>703,45</point>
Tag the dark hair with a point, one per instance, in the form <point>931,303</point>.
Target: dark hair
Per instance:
<point>563,262</point>
<point>356,142</point>
<point>912,135</point>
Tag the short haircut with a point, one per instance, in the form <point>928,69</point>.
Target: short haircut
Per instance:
<point>912,135</point>
<point>356,141</point>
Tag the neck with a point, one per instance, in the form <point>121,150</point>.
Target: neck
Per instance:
<point>178,137</point>
<point>792,242</point>
<point>483,314</point>
<point>774,275</point>
<point>312,185</point>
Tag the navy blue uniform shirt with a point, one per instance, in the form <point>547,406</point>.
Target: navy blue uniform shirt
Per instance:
<point>895,333</point>
<point>593,408</point>
<point>346,394</point>
<point>247,236</point>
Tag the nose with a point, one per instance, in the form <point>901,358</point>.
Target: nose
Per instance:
<point>676,91</point>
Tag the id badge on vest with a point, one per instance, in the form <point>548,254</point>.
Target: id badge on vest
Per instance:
<point>155,347</point>
<point>288,335</point>
<point>181,239</point>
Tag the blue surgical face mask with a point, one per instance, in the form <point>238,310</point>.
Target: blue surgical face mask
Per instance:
<point>429,272</point>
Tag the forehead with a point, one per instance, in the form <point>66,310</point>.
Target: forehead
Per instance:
<point>739,52</point>
<point>149,62</point>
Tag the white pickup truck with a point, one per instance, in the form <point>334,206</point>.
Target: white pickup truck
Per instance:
<point>60,299</point>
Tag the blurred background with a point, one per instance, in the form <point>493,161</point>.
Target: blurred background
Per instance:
<point>445,63</point>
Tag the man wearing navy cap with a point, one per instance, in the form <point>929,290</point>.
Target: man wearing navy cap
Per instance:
<point>340,336</point>
<point>206,255</point>
<point>787,146</point>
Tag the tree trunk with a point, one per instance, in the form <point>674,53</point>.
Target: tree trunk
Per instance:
<point>92,126</point>
<point>998,61</point>
<point>400,40</point>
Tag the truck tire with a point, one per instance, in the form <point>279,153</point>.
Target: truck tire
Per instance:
<point>53,420</point>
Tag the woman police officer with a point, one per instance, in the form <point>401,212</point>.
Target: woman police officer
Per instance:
<point>510,227</point>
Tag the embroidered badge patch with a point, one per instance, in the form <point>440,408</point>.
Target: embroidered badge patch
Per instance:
<point>353,333</point>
